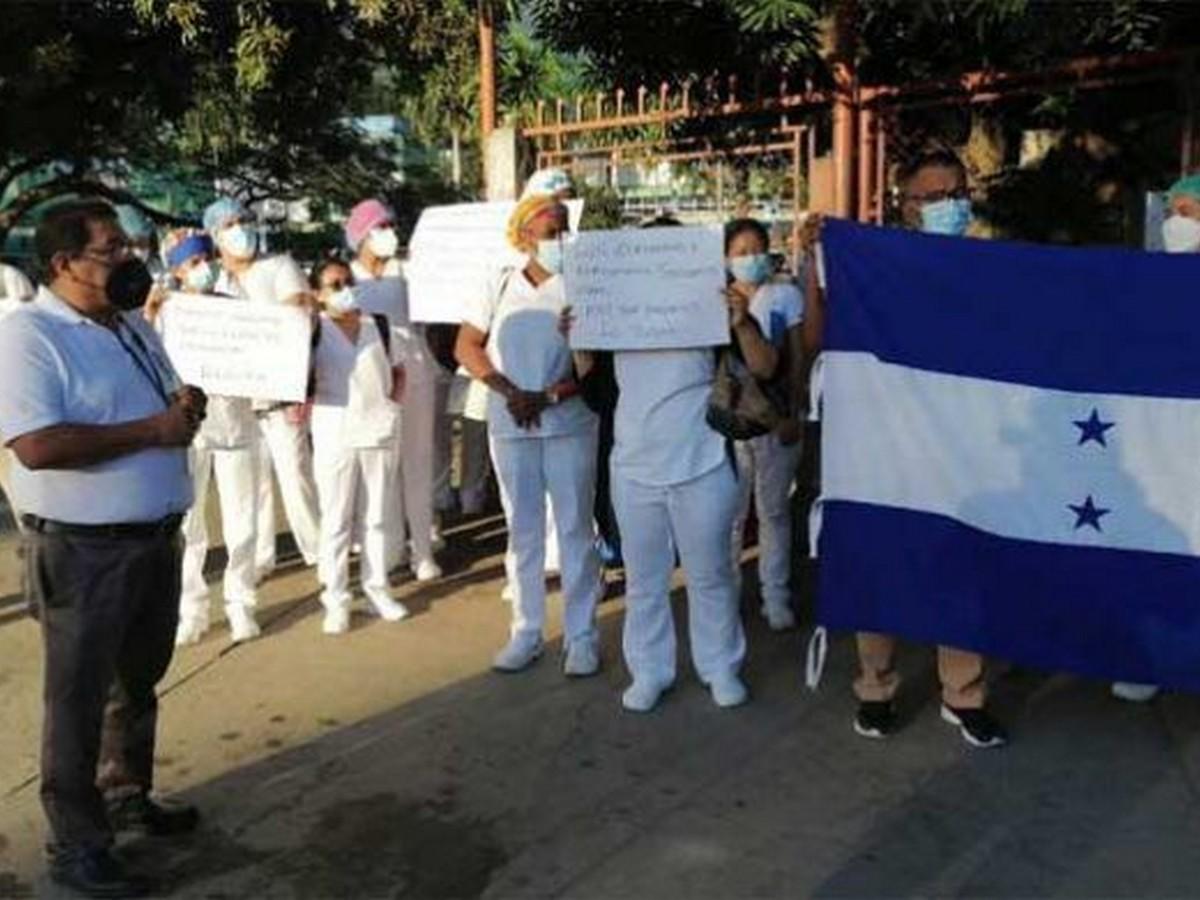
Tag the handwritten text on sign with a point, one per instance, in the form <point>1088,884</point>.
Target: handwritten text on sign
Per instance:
<point>647,289</point>
<point>456,250</point>
<point>237,348</point>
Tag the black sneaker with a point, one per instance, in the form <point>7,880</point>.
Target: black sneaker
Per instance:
<point>95,872</point>
<point>876,719</point>
<point>138,813</point>
<point>977,726</point>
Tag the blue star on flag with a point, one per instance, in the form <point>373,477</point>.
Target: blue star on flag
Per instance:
<point>1088,513</point>
<point>1093,428</point>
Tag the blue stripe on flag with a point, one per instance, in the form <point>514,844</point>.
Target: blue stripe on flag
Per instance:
<point>1096,320</point>
<point>1112,614</point>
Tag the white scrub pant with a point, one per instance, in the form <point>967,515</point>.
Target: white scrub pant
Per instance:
<point>553,556</point>
<point>346,476</point>
<point>286,451</point>
<point>565,468</point>
<point>767,468</point>
<point>236,474</point>
<point>696,517</point>
<point>414,482</point>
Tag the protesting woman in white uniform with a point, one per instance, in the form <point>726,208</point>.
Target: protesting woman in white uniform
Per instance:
<point>358,384</point>
<point>371,235</point>
<point>225,448</point>
<point>283,430</point>
<point>767,464</point>
<point>543,437</point>
<point>675,488</point>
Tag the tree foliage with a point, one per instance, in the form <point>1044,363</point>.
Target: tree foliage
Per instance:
<point>256,95</point>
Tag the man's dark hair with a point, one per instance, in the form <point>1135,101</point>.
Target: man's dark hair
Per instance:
<point>329,262</point>
<point>65,228</point>
<point>741,226</point>
<point>938,158</point>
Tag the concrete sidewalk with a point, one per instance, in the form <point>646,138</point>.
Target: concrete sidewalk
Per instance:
<point>391,763</point>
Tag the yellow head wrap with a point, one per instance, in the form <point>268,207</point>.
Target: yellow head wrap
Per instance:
<point>528,210</point>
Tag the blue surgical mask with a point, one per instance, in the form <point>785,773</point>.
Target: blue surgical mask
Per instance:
<point>550,256</point>
<point>753,269</point>
<point>949,217</point>
<point>238,241</point>
<point>201,277</point>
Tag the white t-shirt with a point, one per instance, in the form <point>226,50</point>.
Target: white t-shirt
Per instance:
<point>524,344</point>
<point>777,306</point>
<point>661,437</point>
<point>58,367</point>
<point>352,405</point>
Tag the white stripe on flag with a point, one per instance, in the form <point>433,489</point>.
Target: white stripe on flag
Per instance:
<point>1007,458</point>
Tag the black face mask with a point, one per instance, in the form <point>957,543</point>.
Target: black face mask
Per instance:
<point>128,284</point>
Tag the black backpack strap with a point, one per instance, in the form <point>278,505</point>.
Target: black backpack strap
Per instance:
<point>385,331</point>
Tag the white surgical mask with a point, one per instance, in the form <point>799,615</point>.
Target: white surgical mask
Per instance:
<point>383,243</point>
<point>550,256</point>
<point>238,241</point>
<point>1181,234</point>
<point>200,278</point>
<point>342,301</point>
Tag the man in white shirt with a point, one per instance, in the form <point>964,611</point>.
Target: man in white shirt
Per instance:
<point>285,446</point>
<point>99,426</point>
<point>381,289</point>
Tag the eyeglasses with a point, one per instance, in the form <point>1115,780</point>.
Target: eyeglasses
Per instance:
<point>107,252</point>
<point>961,193</point>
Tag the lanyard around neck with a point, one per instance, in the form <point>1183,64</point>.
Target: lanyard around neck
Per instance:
<point>143,360</point>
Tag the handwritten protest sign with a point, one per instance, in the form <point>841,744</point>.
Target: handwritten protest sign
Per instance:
<point>648,288</point>
<point>455,250</point>
<point>237,348</point>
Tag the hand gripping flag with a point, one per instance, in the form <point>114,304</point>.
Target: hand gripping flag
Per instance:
<point>1011,451</point>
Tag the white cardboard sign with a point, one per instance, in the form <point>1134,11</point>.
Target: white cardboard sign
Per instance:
<point>647,288</point>
<point>455,250</point>
<point>238,348</point>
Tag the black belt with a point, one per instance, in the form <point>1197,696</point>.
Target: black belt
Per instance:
<point>166,526</point>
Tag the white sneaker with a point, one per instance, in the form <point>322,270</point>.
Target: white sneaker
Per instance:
<point>190,630</point>
<point>387,608</point>
<point>643,695</point>
<point>263,573</point>
<point>507,594</point>
<point>337,621</point>
<point>1134,693</point>
<point>779,618</point>
<point>520,653</point>
<point>436,541</point>
<point>242,625</point>
<point>728,690</point>
<point>427,570</point>
<point>583,658</point>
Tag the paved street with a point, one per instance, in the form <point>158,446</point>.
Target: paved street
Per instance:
<point>392,763</point>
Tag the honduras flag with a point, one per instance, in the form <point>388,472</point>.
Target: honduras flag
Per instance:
<point>1011,451</point>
